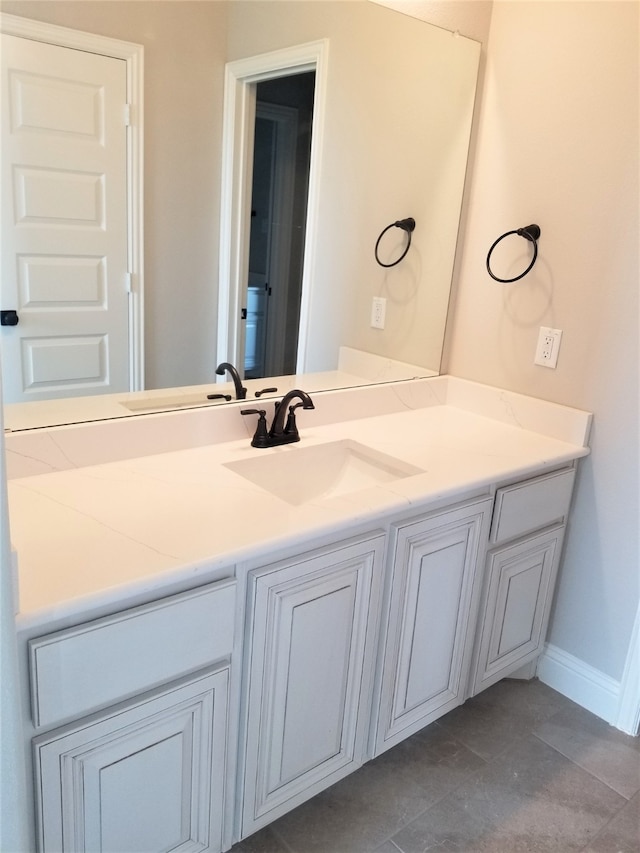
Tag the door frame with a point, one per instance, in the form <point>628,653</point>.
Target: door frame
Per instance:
<point>235,208</point>
<point>133,56</point>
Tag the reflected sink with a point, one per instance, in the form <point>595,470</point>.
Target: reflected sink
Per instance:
<point>150,404</point>
<point>302,474</point>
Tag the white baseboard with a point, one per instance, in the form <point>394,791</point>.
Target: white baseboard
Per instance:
<point>628,719</point>
<point>588,687</point>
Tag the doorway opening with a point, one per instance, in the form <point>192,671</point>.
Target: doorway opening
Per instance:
<point>280,181</point>
<point>242,81</point>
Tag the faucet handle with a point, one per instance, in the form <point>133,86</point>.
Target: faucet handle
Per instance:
<point>266,391</point>
<point>291,428</point>
<point>260,437</point>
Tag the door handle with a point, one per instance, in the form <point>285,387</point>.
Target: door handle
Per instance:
<point>9,318</point>
<point>243,313</point>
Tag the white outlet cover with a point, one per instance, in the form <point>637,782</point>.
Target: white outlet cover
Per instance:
<point>548,347</point>
<point>378,311</point>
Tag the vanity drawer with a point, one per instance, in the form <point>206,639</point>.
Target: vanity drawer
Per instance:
<point>531,505</point>
<point>93,665</point>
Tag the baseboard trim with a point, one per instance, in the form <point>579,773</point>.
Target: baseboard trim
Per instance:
<point>628,719</point>
<point>588,687</point>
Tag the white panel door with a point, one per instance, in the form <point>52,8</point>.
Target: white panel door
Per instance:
<point>311,664</point>
<point>517,604</point>
<point>431,619</point>
<point>148,778</point>
<point>64,222</point>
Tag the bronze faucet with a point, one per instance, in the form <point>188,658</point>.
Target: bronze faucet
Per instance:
<point>280,432</point>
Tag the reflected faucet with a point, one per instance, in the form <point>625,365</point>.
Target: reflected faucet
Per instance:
<point>241,391</point>
<point>280,432</point>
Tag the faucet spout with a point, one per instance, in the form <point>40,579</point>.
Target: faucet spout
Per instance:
<point>279,433</point>
<point>241,391</point>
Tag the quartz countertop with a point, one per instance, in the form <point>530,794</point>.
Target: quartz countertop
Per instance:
<point>98,535</point>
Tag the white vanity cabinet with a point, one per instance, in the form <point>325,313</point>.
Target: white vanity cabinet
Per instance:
<point>430,617</point>
<point>527,533</point>
<point>141,763</point>
<point>310,650</point>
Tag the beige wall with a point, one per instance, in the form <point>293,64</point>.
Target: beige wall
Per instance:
<point>558,145</point>
<point>184,44</point>
<point>470,18</point>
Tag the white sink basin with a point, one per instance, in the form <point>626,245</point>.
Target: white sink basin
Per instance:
<point>302,474</point>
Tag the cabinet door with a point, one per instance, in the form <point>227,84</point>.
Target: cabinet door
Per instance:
<point>147,778</point>
<point>430,619</point>
<point>516,605</point>
<point>309,688</point>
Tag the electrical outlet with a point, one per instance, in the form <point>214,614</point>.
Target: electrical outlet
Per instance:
<point>378,311</point>
<point>548,346</point>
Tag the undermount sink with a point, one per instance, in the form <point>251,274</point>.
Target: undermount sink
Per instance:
<point>302,474</point>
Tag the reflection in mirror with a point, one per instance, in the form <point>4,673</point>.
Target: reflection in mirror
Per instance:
<point>393,142</point>
<point>281,149</point>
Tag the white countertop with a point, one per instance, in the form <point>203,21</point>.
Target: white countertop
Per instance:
<point>98,535</point>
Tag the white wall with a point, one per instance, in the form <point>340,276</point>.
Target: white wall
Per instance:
<point>558,145</point>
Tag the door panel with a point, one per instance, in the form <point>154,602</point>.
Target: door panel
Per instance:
<point>520,582</point>
<point>319,703</point>
<point>64,221</point>
<point>426,665</point>
<point>52,361</point>
<point>147,778</point>
<point>60,281</point>
<point>311,667</point>
<point>431,619</point>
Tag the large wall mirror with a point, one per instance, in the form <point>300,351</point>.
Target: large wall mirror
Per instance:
<point>392,116</point>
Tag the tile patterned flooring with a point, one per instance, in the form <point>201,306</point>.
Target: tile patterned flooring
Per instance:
<point>517,769</point>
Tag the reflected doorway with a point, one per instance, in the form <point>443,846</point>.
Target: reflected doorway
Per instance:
<point>280,184</point>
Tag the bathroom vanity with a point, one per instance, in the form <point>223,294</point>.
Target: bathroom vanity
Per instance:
<point>212,634</point>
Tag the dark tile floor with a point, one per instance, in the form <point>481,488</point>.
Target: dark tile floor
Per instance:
<point>519,768</point>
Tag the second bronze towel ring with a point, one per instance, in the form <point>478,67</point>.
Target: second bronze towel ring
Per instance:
<point>529,232</point>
